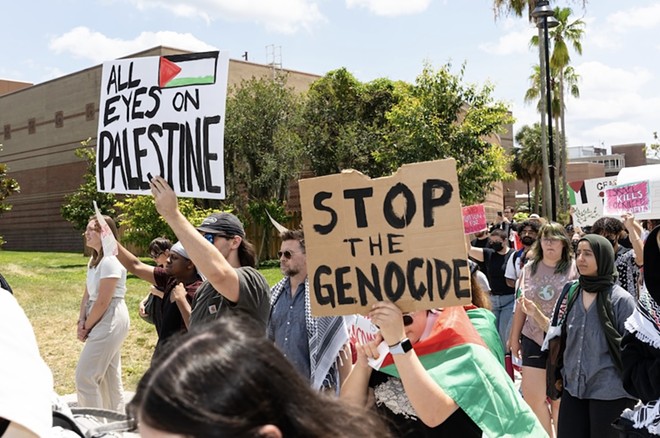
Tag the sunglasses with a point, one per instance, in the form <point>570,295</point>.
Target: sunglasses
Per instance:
<point>211,237</point>
<point>407,319</point>
<point>287,254</point>
<point>155,255</point>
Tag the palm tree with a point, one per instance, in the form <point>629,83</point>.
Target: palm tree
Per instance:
<point>528,159</point>
<point>571,32</point>
<point>558,108</point>
<point>517,7</point>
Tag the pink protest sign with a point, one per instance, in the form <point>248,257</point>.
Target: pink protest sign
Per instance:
<point>629,198</point>
<point>474,218</point>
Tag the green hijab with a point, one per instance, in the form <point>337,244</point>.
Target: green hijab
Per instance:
<point>603,283</point>
<point>606,275</point>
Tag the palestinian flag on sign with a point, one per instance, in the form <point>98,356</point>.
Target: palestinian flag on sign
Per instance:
<point>190,70</point>
<point>459,361</point>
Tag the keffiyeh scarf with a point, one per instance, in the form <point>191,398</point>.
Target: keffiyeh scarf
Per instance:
<point>644,323</point>
<point>326,336</point>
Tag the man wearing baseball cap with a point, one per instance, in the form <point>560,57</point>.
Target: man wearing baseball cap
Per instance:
<point>223,255</point>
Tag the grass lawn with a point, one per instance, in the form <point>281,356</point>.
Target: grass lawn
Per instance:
<point>49,286</point>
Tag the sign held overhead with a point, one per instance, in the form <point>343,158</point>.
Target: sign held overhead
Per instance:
<point>398,238</point>
<point>163,116</point>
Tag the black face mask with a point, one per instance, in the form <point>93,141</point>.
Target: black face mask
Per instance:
<point>527,240</point>
<point>497,246</point>
<point>612,242</point>
<point>574,243</point>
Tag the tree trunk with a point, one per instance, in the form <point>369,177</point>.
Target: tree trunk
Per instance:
<point>564,152</point>
<point>544,138</point>
<point>537,195</point>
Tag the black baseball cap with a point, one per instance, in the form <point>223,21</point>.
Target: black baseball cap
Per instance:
<point>222,223</point>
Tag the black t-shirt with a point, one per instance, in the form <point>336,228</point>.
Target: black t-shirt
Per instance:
<point>479,243</point>
<point>457,425</point>
<point>171,319</point>
<point>495,269</point>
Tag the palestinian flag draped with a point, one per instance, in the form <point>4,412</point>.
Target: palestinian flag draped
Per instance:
<point>458,360</point>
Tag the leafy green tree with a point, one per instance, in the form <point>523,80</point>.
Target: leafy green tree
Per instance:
<point>440,117</point>
<point>8,186</point>
<point>141,222</point>
<point>654,148</point>
<point>345,122</point>
<point>263,151</point>
<point>78,207</point>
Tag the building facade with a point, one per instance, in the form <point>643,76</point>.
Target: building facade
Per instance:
<point>40,128</point>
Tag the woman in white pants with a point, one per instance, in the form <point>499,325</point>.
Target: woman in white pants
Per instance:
<point>102,326</point>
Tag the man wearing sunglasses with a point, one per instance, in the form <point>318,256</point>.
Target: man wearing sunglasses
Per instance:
<point>222,254</point>
<point>311,344</point>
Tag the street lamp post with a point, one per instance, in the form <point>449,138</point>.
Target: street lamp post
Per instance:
<point>544,19</point>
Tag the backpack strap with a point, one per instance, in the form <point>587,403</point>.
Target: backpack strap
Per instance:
<point>608,323</point>
<point>565,302</point>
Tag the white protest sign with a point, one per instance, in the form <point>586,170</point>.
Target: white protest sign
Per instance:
<point>163,116</point>
<point>586,198</point>
<point>641,174</point>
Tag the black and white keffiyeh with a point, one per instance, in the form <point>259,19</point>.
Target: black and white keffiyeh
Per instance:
<point>326,336</point>
<point>644,323</point>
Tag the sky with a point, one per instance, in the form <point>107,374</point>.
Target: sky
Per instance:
<point>619,86</point>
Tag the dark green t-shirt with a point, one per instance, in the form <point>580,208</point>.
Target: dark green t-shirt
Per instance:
<point>253,300</point>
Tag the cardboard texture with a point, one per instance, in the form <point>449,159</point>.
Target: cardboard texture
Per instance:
<point>397,238</point>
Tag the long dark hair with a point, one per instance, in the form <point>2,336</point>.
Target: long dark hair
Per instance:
<point>228,379</point>
<point>247,256</point>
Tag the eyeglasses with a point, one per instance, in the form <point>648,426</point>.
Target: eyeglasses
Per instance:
<point>547,240</point>
<point>287,254</point>
<point>407,319</point>
<point>155,255</point>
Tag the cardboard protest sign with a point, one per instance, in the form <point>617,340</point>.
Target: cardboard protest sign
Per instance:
<point>641,174</point>
<point>163,116</point>
<point>586,199</point>
<point>398,238</point>
<point>629,198</point>
<point>474,218</point>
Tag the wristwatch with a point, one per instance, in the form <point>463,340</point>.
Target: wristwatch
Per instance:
<point>401,347</point>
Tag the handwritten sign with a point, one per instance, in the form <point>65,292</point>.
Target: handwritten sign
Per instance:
<point>361,330</point>
<point>163,116</point>
<point>586,198</point>
<point>629,198</point>
<point>474,218</point>
<point>398,238</point>
<point>650,173</point>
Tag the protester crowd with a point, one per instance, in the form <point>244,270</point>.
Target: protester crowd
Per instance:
<point>579,311</point>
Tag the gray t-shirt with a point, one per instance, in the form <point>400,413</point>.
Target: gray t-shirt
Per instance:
<point>253,300</point>
<point>589,371</point>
